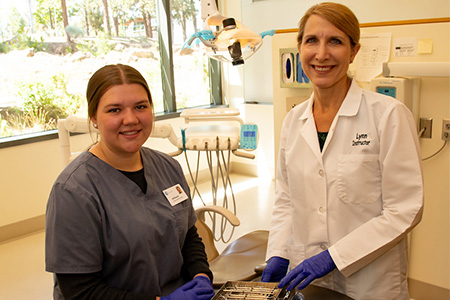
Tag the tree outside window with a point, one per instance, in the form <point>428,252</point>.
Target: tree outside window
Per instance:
<point>50,48</point>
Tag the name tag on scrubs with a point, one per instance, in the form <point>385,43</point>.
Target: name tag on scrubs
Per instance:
<point>175,194</point>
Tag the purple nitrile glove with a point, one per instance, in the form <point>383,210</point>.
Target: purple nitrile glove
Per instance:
<point>275,269</point>
<point>308,270</point>
<point>199,288</point>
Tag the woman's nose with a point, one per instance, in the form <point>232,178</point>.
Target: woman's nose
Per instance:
<point>130,117</point>
<point>322,52</point>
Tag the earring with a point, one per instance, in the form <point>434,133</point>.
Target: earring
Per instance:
<point>95,125</point>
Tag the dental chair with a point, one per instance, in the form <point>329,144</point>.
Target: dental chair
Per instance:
<point>242,260</point>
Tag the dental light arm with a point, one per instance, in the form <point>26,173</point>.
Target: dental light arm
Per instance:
<point>165,131</point>
<point>65,127</point>
<point>233,43</point>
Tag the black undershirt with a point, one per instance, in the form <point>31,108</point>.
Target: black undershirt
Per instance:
<point>137,177</point>
<point>322,138</point>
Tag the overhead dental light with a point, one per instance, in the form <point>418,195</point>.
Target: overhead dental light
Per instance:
<point>225,38</point>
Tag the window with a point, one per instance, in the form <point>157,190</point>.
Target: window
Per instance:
<point>50,48</point>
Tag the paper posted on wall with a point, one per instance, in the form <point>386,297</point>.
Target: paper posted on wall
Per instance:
<point>375,50</point>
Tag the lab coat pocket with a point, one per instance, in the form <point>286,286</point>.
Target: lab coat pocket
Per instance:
<point>359,179</point>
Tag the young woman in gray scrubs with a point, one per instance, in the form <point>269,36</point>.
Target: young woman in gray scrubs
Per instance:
<point>117,225</point>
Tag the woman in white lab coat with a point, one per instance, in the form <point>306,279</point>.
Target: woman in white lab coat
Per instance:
<point>349,181</point>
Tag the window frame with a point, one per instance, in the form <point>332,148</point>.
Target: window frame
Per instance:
<point>167,80</point>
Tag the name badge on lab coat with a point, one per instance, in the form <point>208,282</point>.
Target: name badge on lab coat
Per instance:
<point>175,194</point>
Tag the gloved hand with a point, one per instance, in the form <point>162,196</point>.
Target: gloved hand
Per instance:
<point>308,270</point>
<point>275,269</point>
<point>199,288</point>
<point>203,281</point>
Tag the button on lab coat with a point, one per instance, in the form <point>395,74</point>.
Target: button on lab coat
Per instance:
<point>358,198</point>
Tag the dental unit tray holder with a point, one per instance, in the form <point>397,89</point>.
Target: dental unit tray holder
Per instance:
<point>217,137</point>
<point>217,134</point>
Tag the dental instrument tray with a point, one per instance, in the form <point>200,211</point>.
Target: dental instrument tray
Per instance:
<point>250,290</point>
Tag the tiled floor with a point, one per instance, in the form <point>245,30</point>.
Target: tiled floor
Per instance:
<point>22,274</point>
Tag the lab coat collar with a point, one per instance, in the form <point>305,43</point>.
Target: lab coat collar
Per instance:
<point>349,107</point>
<point>352,101</point>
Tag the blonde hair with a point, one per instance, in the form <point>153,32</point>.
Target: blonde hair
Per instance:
<point>337,14</point>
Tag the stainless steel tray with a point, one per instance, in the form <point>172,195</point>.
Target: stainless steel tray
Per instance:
<point>250,290</point>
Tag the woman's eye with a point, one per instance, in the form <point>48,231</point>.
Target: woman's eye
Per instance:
<point>336,41</point>
<point>113,110</point>
<point>141,107</point>
<point>311,40</point>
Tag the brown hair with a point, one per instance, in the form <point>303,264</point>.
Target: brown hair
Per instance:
<point>109,76</point>
<point>337,14</point>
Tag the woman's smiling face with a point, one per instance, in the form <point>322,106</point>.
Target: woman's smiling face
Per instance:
<point>325,53</point>
<point>124,118</point>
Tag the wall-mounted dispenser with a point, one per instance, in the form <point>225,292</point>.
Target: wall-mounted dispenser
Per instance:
<point>292,75</point>
<point>404,89</point>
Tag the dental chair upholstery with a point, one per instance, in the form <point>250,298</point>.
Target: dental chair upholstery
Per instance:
<point>242,260</point>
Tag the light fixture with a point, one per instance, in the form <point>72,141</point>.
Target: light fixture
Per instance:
<point>225,38</point>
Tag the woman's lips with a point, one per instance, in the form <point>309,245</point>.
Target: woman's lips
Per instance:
<point>129,133</point>
<point>322,68</point>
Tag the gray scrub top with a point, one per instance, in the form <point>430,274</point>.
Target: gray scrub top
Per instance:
<point>99,220</point>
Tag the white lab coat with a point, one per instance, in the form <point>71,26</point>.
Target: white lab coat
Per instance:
<point>358,198</point>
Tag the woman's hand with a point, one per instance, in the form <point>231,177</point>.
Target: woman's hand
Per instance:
<point>308,270</point>
<point>275,269</point>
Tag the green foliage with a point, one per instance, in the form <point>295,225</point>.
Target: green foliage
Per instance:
<point>74,31</point>
<point>43,101</point>
<point>48,13</point>
<point>3,127</point>
<point>69,49</point>
<point>5,47</point>
<point>95,18</point>
<point>87,46</point>
<point>103,45</point>
<point>100,46</point>
<point>22,42</point>
<point>35,44</point>
<point>42,104</point>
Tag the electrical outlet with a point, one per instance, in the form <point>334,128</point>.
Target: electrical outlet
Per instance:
<point>446,129</point>
<point>426,125</point>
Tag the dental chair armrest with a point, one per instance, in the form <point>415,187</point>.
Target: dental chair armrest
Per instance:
<point>243,154</point>
<point>260,268</point>
<point>200,211</point>
<point>175,153</point>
